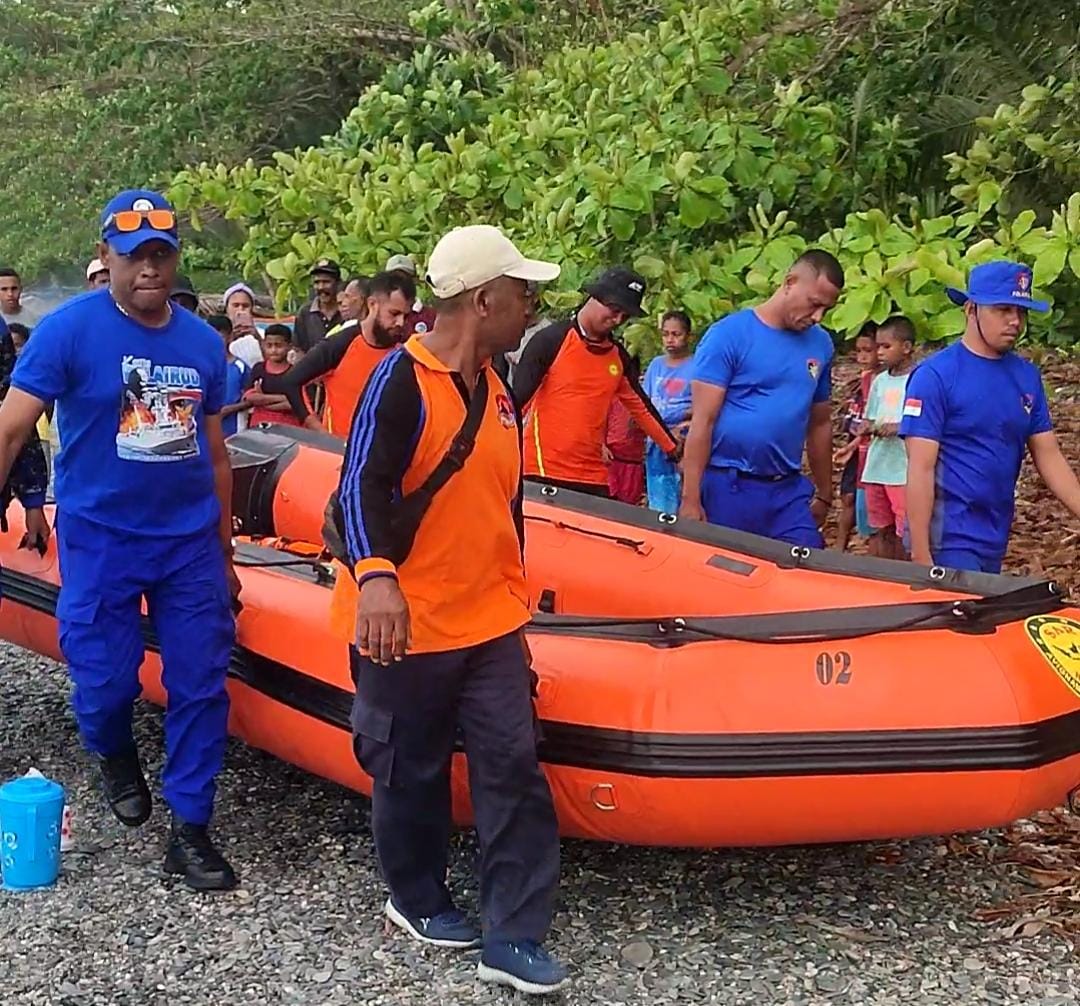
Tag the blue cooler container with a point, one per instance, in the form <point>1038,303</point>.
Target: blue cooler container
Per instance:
<point>31,809</point>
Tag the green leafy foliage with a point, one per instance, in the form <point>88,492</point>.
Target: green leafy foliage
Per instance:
<point>1038,139</point>
<point>657,151</point>
<point>99,96</point>
<point>102,94</point>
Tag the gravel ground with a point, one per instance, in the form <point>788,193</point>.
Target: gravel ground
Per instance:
<point>868,924</point>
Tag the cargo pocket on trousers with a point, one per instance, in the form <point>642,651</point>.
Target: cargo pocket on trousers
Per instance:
<point>371,741</point>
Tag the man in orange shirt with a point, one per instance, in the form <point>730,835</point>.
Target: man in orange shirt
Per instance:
<point>439,614</point>
<point>345,359</point>
<point>566,380</point>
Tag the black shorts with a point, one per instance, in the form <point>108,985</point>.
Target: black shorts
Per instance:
<point>849,477</point>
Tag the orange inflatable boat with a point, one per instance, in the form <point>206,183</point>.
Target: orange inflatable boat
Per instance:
<point>698,687</point>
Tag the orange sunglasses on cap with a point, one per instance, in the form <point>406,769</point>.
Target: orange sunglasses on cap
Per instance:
<point>127,221</point>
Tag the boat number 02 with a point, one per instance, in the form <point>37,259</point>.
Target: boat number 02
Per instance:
<point>834,668</point>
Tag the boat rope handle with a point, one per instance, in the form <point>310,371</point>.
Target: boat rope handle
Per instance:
<point>603,789</point>
<point>637,546</point>
<point>275,563</point>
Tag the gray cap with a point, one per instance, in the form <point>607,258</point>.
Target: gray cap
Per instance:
<point>401,263</point>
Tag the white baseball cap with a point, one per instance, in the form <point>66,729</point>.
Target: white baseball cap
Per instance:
<point>469,257</point>
<point>94,268</point>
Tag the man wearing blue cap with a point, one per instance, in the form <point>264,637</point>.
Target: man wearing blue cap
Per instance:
<point>969,413</point>
<point>143,491</point>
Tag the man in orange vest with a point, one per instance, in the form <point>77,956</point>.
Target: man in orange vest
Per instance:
<point>568,376</point>
<point>438,605</point>
<point>345,359</point>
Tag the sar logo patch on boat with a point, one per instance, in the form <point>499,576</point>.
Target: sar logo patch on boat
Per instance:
<point>1058,640</point>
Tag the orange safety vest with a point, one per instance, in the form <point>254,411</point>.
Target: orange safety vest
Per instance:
<point>345,383</point>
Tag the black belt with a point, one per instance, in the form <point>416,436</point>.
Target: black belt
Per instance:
<point>757,477</point>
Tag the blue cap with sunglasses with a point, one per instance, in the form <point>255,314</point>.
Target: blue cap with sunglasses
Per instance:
<point>998,284</point>
<point>136,216</point>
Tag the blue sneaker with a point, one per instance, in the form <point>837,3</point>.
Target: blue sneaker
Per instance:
<point>523,965</point>
<point>447,929</point>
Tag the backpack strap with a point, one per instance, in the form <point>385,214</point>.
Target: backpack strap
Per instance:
<point>409,511</point>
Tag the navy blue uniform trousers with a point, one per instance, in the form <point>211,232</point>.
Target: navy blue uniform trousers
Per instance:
<point>106,574</point>
<point>775,508</point>
<point>405,721</point>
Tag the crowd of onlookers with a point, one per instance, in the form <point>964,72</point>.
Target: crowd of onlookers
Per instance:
<point>872,462</point>
<point>775,394</point>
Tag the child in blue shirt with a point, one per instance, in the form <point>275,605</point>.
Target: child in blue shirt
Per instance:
<point>667,383</point>
<point>885,473</point>
<point>234,411</point>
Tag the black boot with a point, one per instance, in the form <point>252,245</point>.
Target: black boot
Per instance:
<point>192,854</point>
<point>125,787</point>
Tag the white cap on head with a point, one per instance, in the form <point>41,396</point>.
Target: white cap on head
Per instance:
<point>469,257</point>
<point>94,268</point>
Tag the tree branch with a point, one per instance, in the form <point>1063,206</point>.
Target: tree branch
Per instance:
<point>853,13</point>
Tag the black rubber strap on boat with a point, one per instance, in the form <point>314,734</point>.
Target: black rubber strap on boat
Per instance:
<point>823,625</point>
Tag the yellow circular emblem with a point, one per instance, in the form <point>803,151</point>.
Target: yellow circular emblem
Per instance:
<point>1058,640</point>
<point>613,369</point>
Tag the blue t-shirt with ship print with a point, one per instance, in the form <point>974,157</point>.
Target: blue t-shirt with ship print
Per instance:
<point>131,403</point>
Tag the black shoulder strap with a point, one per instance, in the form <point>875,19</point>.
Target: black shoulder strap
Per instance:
<point>410,510</point>
<point>462,445</point>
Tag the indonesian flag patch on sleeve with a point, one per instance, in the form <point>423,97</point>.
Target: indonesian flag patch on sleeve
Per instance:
<point>913,407</point>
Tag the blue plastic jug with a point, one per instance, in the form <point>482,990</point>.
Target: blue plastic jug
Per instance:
<point>31,810</point>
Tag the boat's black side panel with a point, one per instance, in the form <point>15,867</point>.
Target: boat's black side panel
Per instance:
<point>681,756</point>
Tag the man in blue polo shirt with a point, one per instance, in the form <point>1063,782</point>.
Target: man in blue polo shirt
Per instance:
<point>969,413</point>
<point>760,392</point>
<point>143,491</point>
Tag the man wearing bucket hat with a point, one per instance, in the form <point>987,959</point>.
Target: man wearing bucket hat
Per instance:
<point>184,295</point>
<point>143,488</point>
<point>970,412</point>
<point>429,524</point>
<point>565,382</point>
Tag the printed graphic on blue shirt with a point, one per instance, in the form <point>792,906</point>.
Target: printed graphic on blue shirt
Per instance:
<point>158,411</point>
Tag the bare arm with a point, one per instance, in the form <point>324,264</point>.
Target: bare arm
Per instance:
<point>233,408</point>
<point>706,401</point>
<point>1054,470</point>
<point>922,464</point>
<point>819,449</point>
<point>262,400</point>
